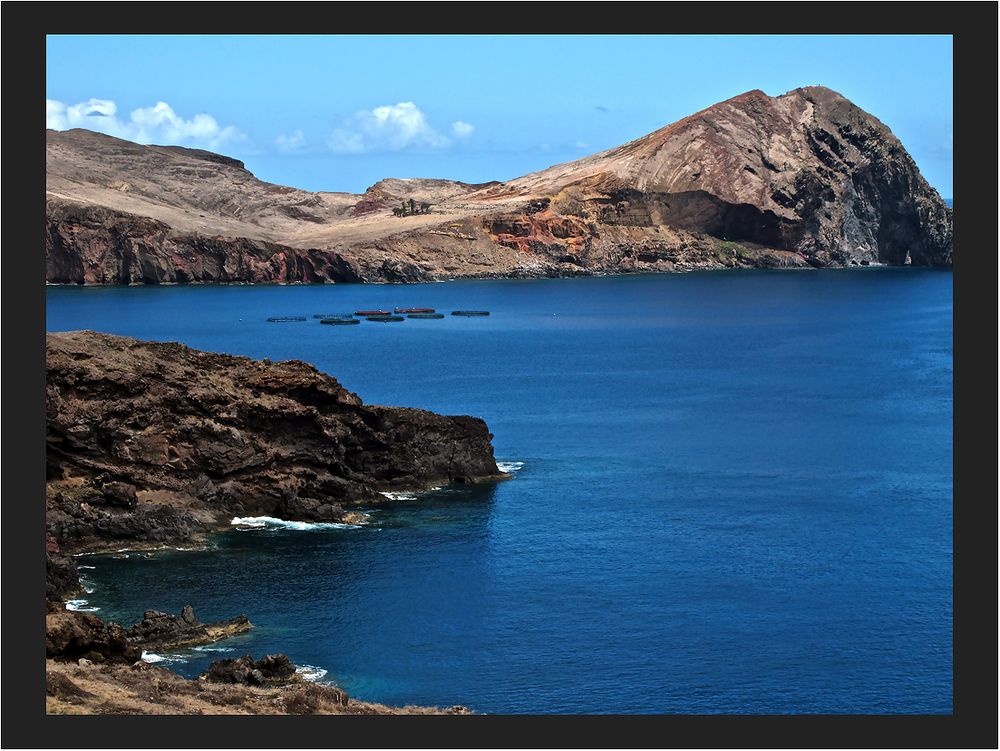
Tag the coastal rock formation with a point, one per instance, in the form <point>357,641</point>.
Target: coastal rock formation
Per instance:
<point>153,443</point>
<point>93,667</point>
<point>162,631</point>
<point>71,634</point>
<point>270,670</point>
<point>62,577</point>
<point>802,179</point>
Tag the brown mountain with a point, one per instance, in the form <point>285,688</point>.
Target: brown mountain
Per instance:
<point>802,179</point>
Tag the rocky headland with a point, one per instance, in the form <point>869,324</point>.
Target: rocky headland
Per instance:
<point>155,444</point>
<point>805,179</point>
<point>152,444</point>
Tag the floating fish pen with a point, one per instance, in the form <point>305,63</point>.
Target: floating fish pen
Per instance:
<point>470,313</point>
<point>285,319</point>
<point>385,319</point>
<point>368,313</point>
<point>333,315</point>
<point>339,321</point>
<point>414,310</point>
<point>425,315</point>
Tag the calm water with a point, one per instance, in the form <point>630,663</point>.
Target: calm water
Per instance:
<point>735,494</point>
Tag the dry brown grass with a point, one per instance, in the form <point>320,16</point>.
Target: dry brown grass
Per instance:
<point>121,690</point>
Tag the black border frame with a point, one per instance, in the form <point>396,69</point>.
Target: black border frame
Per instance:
<point>974,721</point>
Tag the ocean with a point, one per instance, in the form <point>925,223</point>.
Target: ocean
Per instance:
<point>731,493</point>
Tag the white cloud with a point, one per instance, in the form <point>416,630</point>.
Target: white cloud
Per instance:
<point>462,129</point>
<point>391,127</point>
<point>291,143</point>
<point>156,124</point>
<point>582,145</point>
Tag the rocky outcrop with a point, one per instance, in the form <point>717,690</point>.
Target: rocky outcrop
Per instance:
<point>71,635</point>
<point>62,577</point>
<point>802,179</point>
<point>270,670</point>
<point>155,443</point>
<point>93,667</point>
<point>162,631</point>
<point>96,245</point>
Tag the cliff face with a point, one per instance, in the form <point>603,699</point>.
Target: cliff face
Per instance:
<point>97,245</point>
<point>153,443</point>
<point>806,178</point>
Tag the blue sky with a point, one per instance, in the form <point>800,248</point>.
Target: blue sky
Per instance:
<point>342,112</point>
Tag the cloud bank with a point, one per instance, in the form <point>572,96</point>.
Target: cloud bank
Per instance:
<point>157,124</point>
<point>392,127</point>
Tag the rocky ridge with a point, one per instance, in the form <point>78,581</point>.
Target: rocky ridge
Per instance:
<point>152,444</point>
<point>805,179</point>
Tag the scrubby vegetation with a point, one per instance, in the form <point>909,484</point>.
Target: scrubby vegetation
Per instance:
<point>409,208</point>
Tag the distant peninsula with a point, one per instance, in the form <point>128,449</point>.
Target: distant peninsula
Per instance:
<point>805,179</point>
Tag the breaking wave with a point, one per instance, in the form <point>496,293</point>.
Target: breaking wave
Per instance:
<point>82,605</point>
<point>153,657</point>
<point>270,522</point>
<point>311,673</point>
<point>396,496</point>
<point>509,467</point>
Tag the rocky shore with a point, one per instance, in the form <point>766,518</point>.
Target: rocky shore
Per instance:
<point>805,179</point>
<point>93,667</point>
<point>154,444</point>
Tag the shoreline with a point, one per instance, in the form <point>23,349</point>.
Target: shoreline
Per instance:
<point>515,278</point>
<point>70,684</point>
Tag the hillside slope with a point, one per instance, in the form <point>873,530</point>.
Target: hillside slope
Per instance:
<point>802,179</point>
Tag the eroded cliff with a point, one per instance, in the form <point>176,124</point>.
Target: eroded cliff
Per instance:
<point>153,443</point>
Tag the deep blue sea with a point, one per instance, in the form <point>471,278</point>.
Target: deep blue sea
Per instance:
<point>732,494</point>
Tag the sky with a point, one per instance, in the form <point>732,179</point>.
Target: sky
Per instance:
<point>339,113</point>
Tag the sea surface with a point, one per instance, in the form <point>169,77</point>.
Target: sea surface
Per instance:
<point>731,493</point>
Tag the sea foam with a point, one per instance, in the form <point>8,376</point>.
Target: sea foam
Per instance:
<point>509,467</point>
<point>399,496</point>
<point>81,605</point>
<point>153,657</point>
<point>270,522</point>
<point>311,673</point>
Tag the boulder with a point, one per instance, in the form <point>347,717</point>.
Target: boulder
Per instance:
<point>72,635</point>
<point>270,670</point>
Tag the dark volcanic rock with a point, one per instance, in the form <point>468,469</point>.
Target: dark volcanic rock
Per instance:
<point>271,670</point>
<point>159,630</point>
<point>120,494</point>
<point>62,577</point>
<point>71,635</point>
<point>199,438</point>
